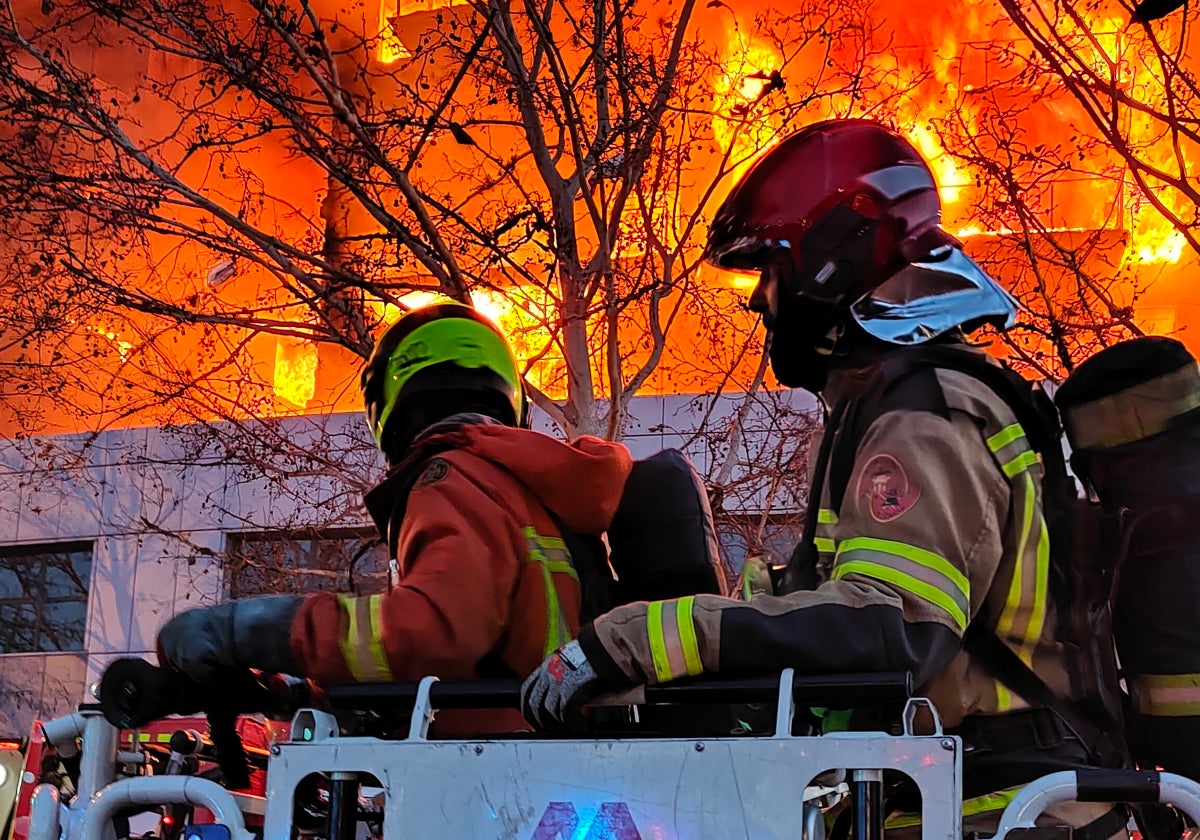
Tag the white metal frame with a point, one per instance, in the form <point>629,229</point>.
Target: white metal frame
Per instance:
<point>674,788</point>
<point>1033,799</point>
<point>662,788</point>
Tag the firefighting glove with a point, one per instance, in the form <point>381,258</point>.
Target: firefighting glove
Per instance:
<point>755,578</point>
<point>552,696</point>
<point>249,633</point>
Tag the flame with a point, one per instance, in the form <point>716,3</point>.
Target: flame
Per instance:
<point>114,336</point>
<point>950,178</point>
<point>1167,250</point>
<point>521,313</point>
<point>739,131</point>
<point>295,370</point>
<point>1103,50</point>
<point>390,48</point>
<point>928,69</point>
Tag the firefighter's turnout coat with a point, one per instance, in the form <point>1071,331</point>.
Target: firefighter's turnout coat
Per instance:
<point>941,515</point>
<point>486,586</point>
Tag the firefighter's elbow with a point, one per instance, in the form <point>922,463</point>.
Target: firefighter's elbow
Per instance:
<point>925,649</point>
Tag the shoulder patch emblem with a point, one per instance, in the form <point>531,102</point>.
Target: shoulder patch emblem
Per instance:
<point>886,488</point>
<point>434,472</point>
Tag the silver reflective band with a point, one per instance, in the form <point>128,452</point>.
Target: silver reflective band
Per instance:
<point>926,299</point>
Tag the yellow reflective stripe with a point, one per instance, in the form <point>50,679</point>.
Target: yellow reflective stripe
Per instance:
<point>825,545</point>
<point>1008,615</point>
<point>658,645</point>
<point>1041,584</point>
<point>825,516</point>
<point>671,633</point>
<point>1004,697</point>
<point>903,820</point>
<point>1015,602</point>
<point>557,632</point>
<point>562,567</point>
<point>362,646</point>
<point>687,635</point>
<point>910,552</point>
<point>375,640</point>
<point>547,542</point>
<point>349,652</point>
<point>920,588</point>
<point>972,807</point>
<point>1005,436</point>
<point>552,556</point>
<point>1168,695</point>
<point>1022,462</point>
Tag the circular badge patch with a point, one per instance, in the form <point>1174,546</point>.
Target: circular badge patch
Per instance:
<point>433,473</point>
<point>886,488</point>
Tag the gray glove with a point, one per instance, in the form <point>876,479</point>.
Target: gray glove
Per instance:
<point>553,694</point>
<point>250,633</point>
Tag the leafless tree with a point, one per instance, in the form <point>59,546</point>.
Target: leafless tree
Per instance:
<point>275,176</point>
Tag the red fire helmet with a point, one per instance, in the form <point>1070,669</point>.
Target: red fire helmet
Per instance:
<point>850,211</point>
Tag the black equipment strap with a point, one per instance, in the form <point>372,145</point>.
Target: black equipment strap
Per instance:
<point>999,660</point>
<point>801,571</point>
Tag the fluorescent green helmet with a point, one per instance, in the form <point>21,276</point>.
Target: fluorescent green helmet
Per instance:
<point>445,350</point>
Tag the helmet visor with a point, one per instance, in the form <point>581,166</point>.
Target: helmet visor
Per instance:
<point>746,254</point>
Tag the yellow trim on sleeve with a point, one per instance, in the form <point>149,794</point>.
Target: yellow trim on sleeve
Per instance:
<point>687,635</point>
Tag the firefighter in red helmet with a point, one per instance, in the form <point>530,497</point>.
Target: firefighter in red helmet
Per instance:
<point>479,513</point>
<point>931,497</point>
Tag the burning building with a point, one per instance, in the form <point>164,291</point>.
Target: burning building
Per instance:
<point>211,208</point>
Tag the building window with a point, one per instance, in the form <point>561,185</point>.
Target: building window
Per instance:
<point>43,597</point>
<point>302,562</point>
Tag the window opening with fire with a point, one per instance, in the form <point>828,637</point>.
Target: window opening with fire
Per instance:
<point>391,46</point>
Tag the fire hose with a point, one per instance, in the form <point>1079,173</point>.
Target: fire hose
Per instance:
<point>133,692</point>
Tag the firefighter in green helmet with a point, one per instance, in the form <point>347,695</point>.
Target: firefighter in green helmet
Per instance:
<point>473,508</point>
